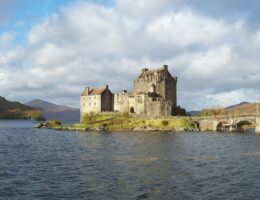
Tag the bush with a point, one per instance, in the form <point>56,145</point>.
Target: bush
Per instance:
<point>54,123</point>
<point>213,112</point>
<point>179,111</point>
<point>165,122</point>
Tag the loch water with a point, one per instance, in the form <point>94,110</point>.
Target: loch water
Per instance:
<point>47,164</point>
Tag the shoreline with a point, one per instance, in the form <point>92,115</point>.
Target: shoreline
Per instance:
<point>45,125</point>
<point>120,122</point>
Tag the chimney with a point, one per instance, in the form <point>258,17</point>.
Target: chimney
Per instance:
<point>165,67</point>
<point>144,70</point>
<point>107,86</point>
<point>87,90</point>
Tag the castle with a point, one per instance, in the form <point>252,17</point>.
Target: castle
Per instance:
<point>155,94</point>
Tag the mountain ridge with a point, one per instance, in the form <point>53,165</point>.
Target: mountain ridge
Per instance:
<point>240,108</point>
<point>17,110</point>
<point>55,111</point>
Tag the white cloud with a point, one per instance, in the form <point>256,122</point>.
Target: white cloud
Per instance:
<point>208,64</point>
<point>88,44</point>
<point>143,8</point>
<point>229,98</point>
<point>186,28</point>
<point>6,40</point>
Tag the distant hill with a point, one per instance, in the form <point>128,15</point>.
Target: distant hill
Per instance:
<point>193,113</point>
<point>237,105</point>
<point>16,110</point>
<point>243,108</point>
<point>54,111</point>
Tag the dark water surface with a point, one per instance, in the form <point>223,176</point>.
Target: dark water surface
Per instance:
<point>46,164</point>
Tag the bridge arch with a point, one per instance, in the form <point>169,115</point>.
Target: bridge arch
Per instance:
<point>240,125</point>
<point>196,125</point>
<point>221,126</point>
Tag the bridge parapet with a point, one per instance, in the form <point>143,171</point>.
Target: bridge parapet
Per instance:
<point>227,122</point>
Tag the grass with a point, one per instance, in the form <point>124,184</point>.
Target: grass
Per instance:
<point>121,122</point>
<point>125,122</point>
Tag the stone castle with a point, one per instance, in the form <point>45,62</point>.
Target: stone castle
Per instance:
<point>155,94</point>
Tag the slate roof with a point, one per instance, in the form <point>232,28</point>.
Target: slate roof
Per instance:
<point>93,91</point>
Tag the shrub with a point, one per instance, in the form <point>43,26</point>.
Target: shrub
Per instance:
<point>54,123</point>
<point>165,122</point>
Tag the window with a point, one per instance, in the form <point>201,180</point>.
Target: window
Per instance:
<point>94,104</point>
<point>89,104</point>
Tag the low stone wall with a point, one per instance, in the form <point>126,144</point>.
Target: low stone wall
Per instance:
<point>206,125</point>
<point>257,127</point>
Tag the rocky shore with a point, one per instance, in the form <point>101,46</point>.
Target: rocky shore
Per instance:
<point>163,126</point>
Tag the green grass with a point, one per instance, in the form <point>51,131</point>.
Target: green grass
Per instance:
<point>122,122</point>
<point>125,122</point>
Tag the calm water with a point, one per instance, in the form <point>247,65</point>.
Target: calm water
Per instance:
<point>46,164</point>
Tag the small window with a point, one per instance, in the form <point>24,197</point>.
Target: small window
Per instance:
<point>94,104</point>
<point>89,104</point>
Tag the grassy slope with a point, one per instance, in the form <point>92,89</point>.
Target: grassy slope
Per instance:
<point>125,122</point>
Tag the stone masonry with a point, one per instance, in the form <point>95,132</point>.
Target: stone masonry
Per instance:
<point>154,94</point>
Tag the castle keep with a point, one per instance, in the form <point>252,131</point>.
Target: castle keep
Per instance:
<point>154,94</point>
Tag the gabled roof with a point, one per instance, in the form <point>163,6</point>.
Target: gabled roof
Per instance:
<point>93,91</point>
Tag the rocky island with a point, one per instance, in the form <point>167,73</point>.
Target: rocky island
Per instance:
<point>123,122</point>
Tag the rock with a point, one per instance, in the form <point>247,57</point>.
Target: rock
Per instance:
<point>98,129</point>
<point>57,128</point>
<point>141,128</point>
<point>80,129</point>
<point>181,129</point>
<point>39,125</point>
<point>71,128</point>
<point>151,129</point>
<point>64,128</point>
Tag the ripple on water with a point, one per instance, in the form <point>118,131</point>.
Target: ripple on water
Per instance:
<point>46,164</point>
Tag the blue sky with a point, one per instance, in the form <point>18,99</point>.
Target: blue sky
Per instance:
<point>52,49</point>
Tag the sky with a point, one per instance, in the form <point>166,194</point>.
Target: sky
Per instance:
<point>52,49</point>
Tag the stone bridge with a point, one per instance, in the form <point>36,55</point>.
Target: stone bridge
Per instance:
<point>227,123</point>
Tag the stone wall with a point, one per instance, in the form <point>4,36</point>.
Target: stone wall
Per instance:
<point>121,102</point>
<point>107,101</point>
<point>154,94</point>
<point>206,125</point>
<point>140,104</point>
<point>171,90</point>
<point>159,108</point>
<point>257,127</point>
<point>90,104</point>
<point>96,103</point>
<point>160,82</point>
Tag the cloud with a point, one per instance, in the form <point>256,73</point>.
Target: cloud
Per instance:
<point>186,28</point>
<point>215,59</point>
<point>144,8</point>
<point>6,40</point>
